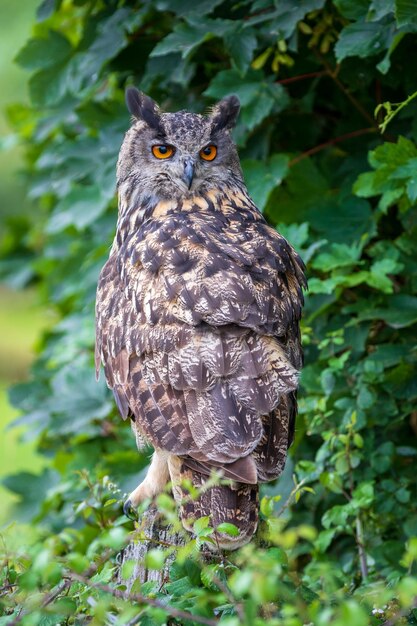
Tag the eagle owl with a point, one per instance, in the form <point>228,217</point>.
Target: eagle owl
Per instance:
<point>197,316</point>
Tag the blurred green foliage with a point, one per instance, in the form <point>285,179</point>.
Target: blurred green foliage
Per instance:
<point>20,318</point>
<point>309,76</point>
<point>21,321</point>
<point>14,30</point>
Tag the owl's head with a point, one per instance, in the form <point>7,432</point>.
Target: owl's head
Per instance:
<point>176,155</point>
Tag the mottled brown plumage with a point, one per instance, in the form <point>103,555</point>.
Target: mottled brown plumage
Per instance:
<point>198,312</point>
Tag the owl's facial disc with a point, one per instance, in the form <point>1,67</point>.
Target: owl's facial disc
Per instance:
<point>177,155</point>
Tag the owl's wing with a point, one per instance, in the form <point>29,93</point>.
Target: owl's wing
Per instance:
<point>195,319</point>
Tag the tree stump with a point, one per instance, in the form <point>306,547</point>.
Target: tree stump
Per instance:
<point>157,535</point>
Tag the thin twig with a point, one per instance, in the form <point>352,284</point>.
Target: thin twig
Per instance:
<point>223,587</point>
<point>18,617</point>
<point>294,79</point>
<point>333,75</point>
<point>64,585</point>
<point>4,588</point>
<point>290,497</point>
<point>359,534</point>
<point>331,142</point>
<point>392,112</point>
<point>361,548</point>
<point>48,599</point>
<point>135,620</point>
<point>137,597</point>
<point>54,594</point>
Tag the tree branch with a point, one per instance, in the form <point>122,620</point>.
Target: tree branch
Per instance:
<point>333,75</point>
<point>330,142</point>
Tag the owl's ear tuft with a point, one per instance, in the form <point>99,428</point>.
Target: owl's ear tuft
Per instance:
<point>143,108</point>
<point>225,113</point>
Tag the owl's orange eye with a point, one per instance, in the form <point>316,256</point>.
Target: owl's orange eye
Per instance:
<point>163,151</point>
<point>208,153</point>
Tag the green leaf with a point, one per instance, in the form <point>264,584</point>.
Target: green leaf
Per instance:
<point>366,398</point>
<point>47,8</point>
<point>351,612</point>
<point>379,274</point>
<point>228,529</point>
<point>393,154</point>
<point>263,178</point>
<point>114,538</point>
<point>363,39</point>
<point>28,486</point>
<point>324,539</point>
<point>378,10</point>
<point>283,21</point>
<point>328,381</point>
<point>296,233</point>
<point>353,9</point>
<point>48,87</point>
<point>80,207</point>
<point>337,282</point>
<point>358,440</point>
<point>363,494</point>
<point>365,186</point>
<point>336,516</point>
<point>202,527</point>
<point>178,588</point>
<point>209,574</point>
<point>110,37</point>
<point>155,559</point>
<point>407,590</point>
<point>189,35</point>
<point>346,222</point>
<point>65,606</point>
<point>42,53</point>
<point>400,312</point>
<point>241,46</point>
<point>412,189</point>
<point>332,481</point>
<point>403,495</point>
<point>258,97</point>
<point>405,13</point>
<point>240,582</point>
<point>78,562</point>
<point>186,7</point>
<point>338,255</point>
<point>342,464</point>
<point>406,451</point>
<point>384,65</point>
<point>394,175</point>
<point>52,573</point>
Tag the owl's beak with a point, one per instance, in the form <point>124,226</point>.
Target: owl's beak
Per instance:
<point>188,175</point>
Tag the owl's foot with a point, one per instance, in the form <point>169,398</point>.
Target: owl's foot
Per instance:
<point>129,510</point>
<point>155,481</point>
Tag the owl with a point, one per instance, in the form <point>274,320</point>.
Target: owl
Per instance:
<point>197,318</point>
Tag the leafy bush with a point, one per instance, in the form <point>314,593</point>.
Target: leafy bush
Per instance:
<point>309,75</point>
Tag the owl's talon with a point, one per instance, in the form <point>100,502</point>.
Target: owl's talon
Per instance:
<point>129,510</point>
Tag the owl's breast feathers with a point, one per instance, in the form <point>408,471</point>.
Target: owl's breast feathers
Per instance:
<point>197,327</point>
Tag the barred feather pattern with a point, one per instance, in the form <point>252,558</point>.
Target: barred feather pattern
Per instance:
<point>197,321</point>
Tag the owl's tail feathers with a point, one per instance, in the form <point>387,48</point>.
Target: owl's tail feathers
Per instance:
<point>236,503</point>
